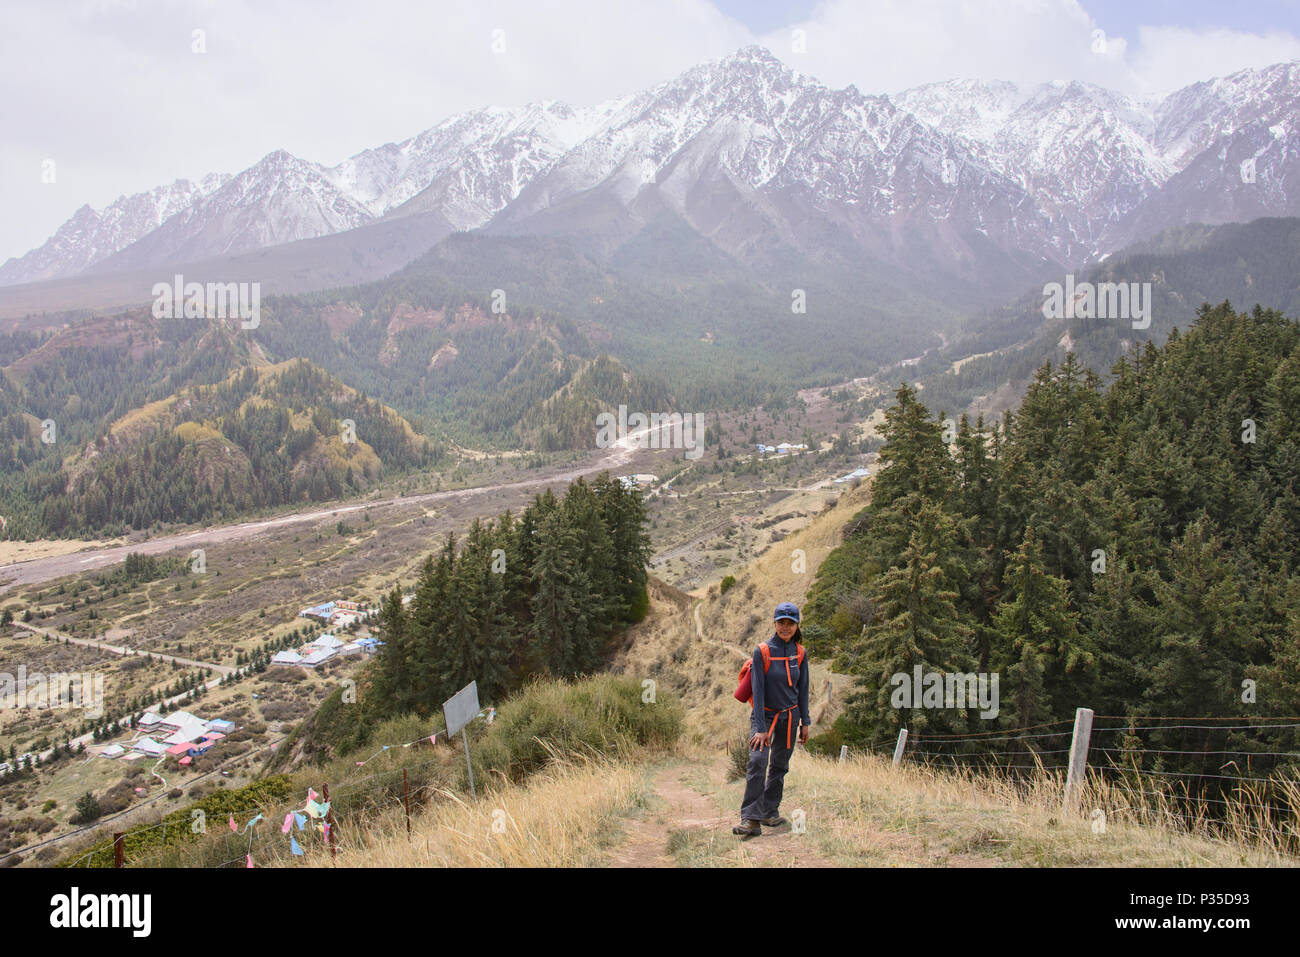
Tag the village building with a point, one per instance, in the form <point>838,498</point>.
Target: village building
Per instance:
<point>320,612</point>
<point>318,656</point>
<point>178,719</point>
<point>150,747</point>
<point>187,733</point>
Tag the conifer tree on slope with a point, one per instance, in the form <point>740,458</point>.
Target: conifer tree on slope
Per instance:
<point>561,601</point>
<point>916,623</point>
<point>1039,645</point>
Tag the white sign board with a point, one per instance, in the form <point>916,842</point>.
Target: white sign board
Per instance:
<point>461,708</point>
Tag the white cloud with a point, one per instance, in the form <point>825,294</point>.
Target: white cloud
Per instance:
<point>112,92</point>
<point>1173,57</point>
<point>891,45</point>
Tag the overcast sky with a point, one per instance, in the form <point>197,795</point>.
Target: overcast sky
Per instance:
<point>114,92</point>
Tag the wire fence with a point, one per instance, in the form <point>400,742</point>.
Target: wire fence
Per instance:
<point>1168,779</point>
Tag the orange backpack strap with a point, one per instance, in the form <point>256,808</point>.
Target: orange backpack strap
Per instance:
<point>801,653</point>
<point>767,656</point>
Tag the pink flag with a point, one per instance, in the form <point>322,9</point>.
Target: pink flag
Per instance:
<point>288,823</point>
<point>232,824</point>
<point>249,858</point>
<point>311,794</point>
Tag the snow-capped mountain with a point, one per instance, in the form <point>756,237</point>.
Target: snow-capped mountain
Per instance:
<point>750,153</point>
<point>91,236</point>
<point>1086,155</point>
<point>469,167</point>
<point>961,178</point>
<point>1111,169</point>
<point>279,199</point>
<point>465,168</point>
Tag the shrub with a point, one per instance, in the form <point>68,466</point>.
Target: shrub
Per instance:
<point>738,763</point>
<point>87,809</point>
<point>603,714</point>
<point>726,584</point>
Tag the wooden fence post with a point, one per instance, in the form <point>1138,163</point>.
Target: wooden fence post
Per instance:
<point>898,748</point>
<point>406,801</point>
<point>1074,778</point>
<point>329,819</point>
<point>119,852</point>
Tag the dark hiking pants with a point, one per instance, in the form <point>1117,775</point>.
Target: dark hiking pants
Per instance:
<point>765,775</point>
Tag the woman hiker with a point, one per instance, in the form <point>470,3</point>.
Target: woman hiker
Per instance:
<point>780,688</point>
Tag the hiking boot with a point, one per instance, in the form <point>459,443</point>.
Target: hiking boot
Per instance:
<point>774,821</point>
<point>747,828</point>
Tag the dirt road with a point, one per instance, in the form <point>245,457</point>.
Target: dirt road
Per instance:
<point>40,570</point>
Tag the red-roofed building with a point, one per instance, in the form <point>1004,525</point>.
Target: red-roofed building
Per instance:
<point>179,749</point>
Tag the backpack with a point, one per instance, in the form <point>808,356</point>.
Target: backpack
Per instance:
<point>745,686</point>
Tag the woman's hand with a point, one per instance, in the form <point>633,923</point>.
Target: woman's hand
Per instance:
<point>759,741</point>
<point>803,734</point>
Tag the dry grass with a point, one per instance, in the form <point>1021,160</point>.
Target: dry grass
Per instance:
<point>865,811</point>
<point>566,816</point>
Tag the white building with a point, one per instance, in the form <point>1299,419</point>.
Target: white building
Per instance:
<point>178,719</point>
<point>287,657</point>
<point>150,747</point>
<point>187,733</point>
<point>317,657</point>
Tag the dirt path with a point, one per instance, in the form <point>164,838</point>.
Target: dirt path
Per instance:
<point>699,633</point>
<point>679,806</point>
<point>684,827</point>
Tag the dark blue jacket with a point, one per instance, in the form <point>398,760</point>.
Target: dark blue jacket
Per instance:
<point>775,693</point>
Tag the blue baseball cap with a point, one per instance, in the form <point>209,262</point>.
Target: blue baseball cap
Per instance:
<point>787,609</point>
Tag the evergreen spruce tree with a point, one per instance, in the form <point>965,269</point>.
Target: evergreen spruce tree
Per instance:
<point>1039,644</point>
<point>560,602</point>
<point>916,623</point>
